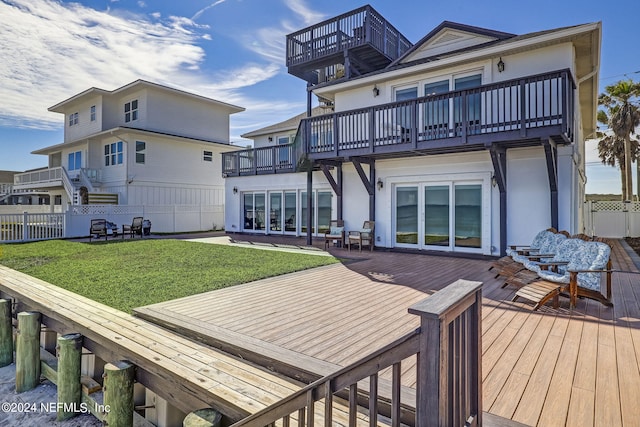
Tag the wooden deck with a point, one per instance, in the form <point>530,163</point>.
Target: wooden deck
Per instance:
<point>546,368</point>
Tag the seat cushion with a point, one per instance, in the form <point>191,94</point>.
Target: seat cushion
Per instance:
<point>336,231</point>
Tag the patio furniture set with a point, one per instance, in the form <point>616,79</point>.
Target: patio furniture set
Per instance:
<point>558,264</point>
<point>361,237</point>
<point>103,228</point>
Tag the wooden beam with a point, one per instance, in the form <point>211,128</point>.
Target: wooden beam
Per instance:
<point>334,185</point>
<point>499,160</point>
<point>368,182</point>
<point>368,185</point>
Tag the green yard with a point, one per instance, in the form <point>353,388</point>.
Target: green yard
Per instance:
<point>130,273</point>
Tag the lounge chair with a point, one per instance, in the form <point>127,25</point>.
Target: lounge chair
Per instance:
<point>134,228</point>
<point>580,276</point>
<point>507,261</point>
<point>364,236</point>
<point>98,228</point>
<point>545,251</point>
<point>335,233</point>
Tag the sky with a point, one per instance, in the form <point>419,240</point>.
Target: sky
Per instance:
<point>233,51</point>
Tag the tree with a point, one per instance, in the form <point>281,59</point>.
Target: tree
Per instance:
<point>622,116</point>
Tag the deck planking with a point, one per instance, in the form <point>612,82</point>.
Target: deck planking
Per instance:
<point>547,368</point>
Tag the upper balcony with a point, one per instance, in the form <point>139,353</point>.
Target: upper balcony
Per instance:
<point>354,43</point>
<point>515,113</point>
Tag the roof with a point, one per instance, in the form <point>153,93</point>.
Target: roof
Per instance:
<point>286,125</point>
<point>124,129</point>
<point>137,85</point>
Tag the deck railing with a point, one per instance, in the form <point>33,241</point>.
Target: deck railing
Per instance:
<point>38,177</point>
<point>448,392</point>
<point>256,161</point>
<point>514,108</point>
<point>352,29</point>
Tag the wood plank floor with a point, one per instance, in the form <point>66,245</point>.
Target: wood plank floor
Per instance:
<point>546,368</point>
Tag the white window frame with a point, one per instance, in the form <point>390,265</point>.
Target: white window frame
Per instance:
<point>73,119</point>
<point>92,113</point>
<point>118,153</point>
<point>131,114</point>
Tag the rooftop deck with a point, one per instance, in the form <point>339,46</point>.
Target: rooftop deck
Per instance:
<point>546,368</point>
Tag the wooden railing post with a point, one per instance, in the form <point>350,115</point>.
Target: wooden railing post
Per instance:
<point>118,393</point>
<point>6,333</point>
<point>448,387</point>
<point>28,351</point>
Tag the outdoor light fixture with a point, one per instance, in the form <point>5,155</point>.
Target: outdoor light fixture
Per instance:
<point>494,181</point>
<point>380,184</point>
<point>235,190</point>
<point>376,91</point>
<point>270,139</point>
<point>500,65</point>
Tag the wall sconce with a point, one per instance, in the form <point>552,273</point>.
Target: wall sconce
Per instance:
<point>494,181</point>
<point>376,91</point>
<point>500,65</point>
<point>380,184</point>
<point>235,190</point>
<point>270,139</point>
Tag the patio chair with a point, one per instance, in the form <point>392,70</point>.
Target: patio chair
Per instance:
<point>335,233</point>
<point>506,261</point>
<point>546,250</point>
<point>580,277</point>
<point>134,228</point>
<point>98,228</point>
<point>364,236</point>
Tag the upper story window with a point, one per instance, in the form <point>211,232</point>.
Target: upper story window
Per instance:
<point>141,148</point>
<point>75,161</point>
<point>113,154</point>
<point>73,119</point>
<point>92,113</point>
<point>208,156</point>
<point>131,111</point>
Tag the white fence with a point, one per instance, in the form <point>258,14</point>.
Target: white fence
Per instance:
<point>19,209</point>
<point>27,227</point>
<point>612,219</point>
<point>77,220</point>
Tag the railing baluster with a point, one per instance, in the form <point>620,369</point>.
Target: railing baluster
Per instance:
<point>301,416</point>
<point>353,404</point>
<point>395,394</point>
<point>373,400</point>
<point>311,403</point>
<point>328,405</point>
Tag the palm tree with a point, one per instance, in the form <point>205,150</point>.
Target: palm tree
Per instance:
<point>622,117</point>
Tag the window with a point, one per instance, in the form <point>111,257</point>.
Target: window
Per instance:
<point>283,152</point>
<point>113,154</point>
<point>208,156</point>
<point>73,119</point>
<point>141,146</point>
<point>131,111</point>
<point>75,161</point>
<point>92,113</point>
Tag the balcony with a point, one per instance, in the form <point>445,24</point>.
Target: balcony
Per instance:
<point>44,178</point>
<point>513,113</point>
<point>367,41</point>
<point>258,161</point>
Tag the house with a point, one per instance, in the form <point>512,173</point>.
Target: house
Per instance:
<point>466,141</point>
<point>10,196</point>
<point>140,144</point>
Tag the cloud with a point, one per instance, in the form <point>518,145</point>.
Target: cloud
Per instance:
<point>300,8</point>
<point>203,10</point>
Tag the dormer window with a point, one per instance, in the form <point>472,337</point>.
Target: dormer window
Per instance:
<point>131,111</point>
<point>73,119</point>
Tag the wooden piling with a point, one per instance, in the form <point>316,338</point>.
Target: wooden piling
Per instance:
<point>28,351</point>
<point>69,367</point>
<point>207,417</point>
<point>6,333</point>
<point>118,393</point>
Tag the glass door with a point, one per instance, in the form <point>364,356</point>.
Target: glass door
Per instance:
<point>254,211</point>
<point>436,110</point>
<point>290,223</point>
<point>275,212</point>
<point>406,216</point>
<point>447,216</point>
<point>472,104</point>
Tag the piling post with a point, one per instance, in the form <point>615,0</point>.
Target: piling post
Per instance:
<point>28,351</point>
<point>118,393</point>
<point>6,333</point>
<point>69,366</point>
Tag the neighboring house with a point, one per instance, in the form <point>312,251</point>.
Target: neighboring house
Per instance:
<point>468,140</point>
<point>11,196</point>
<point>141,144</point>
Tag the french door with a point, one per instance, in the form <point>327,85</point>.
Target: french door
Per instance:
<point>439,215</point>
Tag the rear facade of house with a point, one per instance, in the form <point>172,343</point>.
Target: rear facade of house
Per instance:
<point>466,141</point>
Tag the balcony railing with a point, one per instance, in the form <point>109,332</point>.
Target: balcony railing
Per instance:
<point>361,27</point>
<point>518,110</point>
<point>38,177</point>
<point>256,161</point>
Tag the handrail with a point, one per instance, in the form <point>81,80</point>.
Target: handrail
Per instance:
<point>517,106</point>
<point>447,347</point>
<point>84,179</point>
<point>67,184</point>
<point>254,161</point>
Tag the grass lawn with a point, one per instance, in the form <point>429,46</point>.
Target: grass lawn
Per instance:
<point>130,273</point>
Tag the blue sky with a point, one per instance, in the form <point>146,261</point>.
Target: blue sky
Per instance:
<point>233,50</point>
